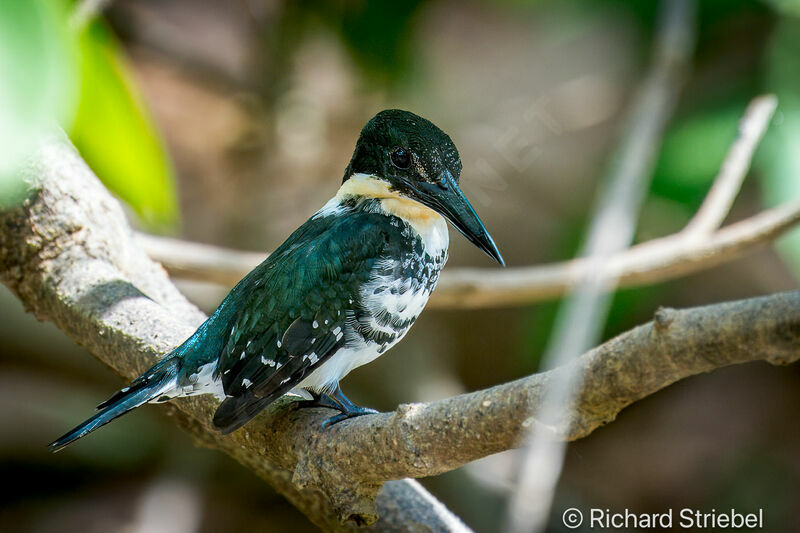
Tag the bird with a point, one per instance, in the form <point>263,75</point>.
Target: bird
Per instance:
<point>344,288</point>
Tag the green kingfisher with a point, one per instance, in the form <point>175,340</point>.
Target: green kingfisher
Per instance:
<point>344,288</point>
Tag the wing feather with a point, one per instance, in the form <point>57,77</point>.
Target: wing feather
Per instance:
<point>293,308</point>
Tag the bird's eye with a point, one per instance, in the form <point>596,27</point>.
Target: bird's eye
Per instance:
<point>401,158</point>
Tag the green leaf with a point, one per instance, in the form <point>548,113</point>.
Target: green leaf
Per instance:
<point>779,158</point>
<point>790,7</point>
<point>780,168</point>
<point>38,82</point>
<point>692,152</point>
<point>115,135</point>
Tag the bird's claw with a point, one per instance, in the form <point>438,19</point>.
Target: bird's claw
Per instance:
<point>322,400</point>
<point>344,415</point>
<point>338,401</point>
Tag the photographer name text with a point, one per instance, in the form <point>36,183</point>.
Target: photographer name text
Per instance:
<point>684,519</point>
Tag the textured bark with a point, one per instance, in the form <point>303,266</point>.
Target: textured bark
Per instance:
<point>70,256</point>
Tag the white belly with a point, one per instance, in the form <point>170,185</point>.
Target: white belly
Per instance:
<point>392,305</point>
<point>327,376</point>
<point>403,306</point>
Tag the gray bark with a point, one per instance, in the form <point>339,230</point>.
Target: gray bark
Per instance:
<point>70,256</point>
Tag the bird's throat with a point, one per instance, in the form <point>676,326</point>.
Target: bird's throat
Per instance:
<point>392,202</point>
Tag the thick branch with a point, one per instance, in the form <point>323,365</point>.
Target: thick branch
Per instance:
<point>579,321</point>
<point>69,255</point>
<point>424,439</point>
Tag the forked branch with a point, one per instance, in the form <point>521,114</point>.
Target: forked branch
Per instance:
<point>70,256</point>
<point>699,246</point>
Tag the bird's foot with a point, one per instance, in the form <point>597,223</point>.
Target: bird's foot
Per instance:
<point>317,400</point>
<point>335,400</point>
<point>353,412</point>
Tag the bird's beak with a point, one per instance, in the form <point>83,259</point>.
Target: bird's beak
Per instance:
<point>448,200</point>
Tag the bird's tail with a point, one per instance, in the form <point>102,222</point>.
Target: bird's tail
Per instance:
<point>159,379</point>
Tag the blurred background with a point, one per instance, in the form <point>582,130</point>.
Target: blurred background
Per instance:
<point>230,123</point>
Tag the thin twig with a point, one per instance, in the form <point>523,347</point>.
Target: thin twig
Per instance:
<point>198,261</point>
<point>650,262</point>
<point>73,262</point>
<point>69,255</point>
<point>719,200</point>
<point>582,315</point>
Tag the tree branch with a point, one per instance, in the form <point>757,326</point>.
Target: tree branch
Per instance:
<point>734,169</point>
<point>699,246</point>
<point>69,254</point>
<point>71,258</point>
<point>580,318</point>
<point>653,261</point>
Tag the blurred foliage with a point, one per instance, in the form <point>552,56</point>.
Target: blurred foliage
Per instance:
<point>376,35</point>
<point>37,82</point>
<point>780,161</point>
<point>744,47</point>
<point>115,134</point>
<point>692,152</point>
<point>48,75</point>
<point>789,7</point>
<point>696,143</point>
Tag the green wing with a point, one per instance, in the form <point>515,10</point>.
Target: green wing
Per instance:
<point>291,312</point>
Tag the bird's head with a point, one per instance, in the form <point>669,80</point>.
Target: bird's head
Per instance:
<point>420,162</point>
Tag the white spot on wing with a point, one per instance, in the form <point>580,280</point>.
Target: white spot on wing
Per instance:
<point>328,374</point>
<point>203,381</point>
